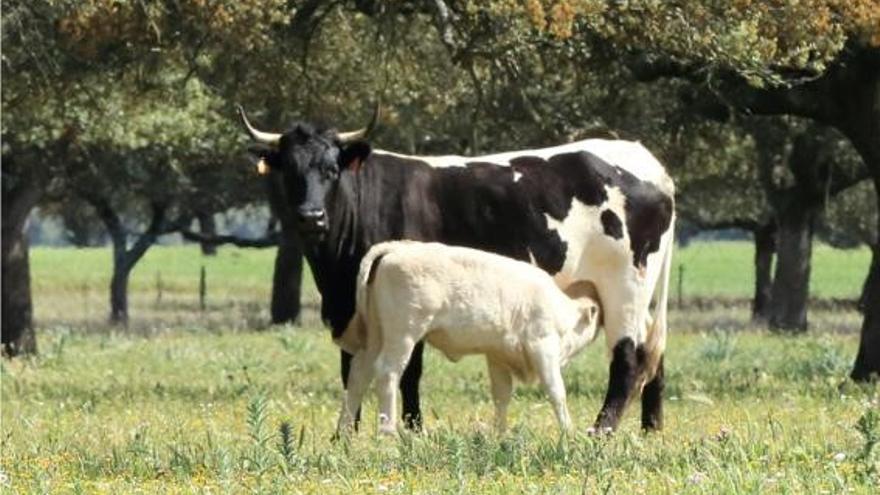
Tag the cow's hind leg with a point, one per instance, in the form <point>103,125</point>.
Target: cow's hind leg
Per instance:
<point>501,383</point>
<point>652,401</point>
<point>409,389</point>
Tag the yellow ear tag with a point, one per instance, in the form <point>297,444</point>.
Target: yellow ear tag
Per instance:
<point>262,167</point>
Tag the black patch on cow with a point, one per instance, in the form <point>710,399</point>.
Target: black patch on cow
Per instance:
<point>621,381</point>
<point>652,401</point>
<point>373,267</point>
<point>611,224</point>
<point>648,215</point>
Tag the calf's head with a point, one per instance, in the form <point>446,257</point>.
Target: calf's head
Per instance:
<point>310,161</point>
<point>586,297</point>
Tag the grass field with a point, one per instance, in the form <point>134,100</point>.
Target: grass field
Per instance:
<point>199,412</point>
<point>197,402</point>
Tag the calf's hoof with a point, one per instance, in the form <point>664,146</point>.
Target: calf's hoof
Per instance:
<point>600,431</point>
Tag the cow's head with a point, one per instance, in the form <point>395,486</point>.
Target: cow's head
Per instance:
<point>310,161</point>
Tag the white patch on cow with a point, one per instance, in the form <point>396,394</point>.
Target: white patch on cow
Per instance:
<point>628,155</point>
<point>593,255</point>
<point>516,176</point>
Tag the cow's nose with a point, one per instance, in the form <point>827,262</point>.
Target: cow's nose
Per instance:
<point>313,216</point>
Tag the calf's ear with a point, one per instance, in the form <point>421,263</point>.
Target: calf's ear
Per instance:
<point>353,156</point>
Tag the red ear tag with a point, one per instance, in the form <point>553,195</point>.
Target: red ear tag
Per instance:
<point>355,165</point>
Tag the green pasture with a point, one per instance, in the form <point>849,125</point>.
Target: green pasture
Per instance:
<point>711,269</point>
<point>199,412</point>
<point>726,269</point>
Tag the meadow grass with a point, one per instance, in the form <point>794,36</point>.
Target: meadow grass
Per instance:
<point>246,412</point>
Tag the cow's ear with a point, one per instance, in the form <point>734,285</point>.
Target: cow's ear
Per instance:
<point>260,150</point>
<point>353,156</point>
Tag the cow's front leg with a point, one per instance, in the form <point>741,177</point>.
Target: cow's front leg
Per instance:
<point>652,401</point>
<point>621,382</point>
<point>409,389</point>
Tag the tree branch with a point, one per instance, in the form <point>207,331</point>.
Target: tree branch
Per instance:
<point>443,20</point>
<point>734,223</point>
<point>149,237</point>
<point>270,240</point>
<point>727,87</point>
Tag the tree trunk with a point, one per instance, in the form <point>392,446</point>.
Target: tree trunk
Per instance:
<point>119,290</point>
<point>207,227</point>
<point>18,325</point>
<point>791,281</point>
<point>17,332</point>
<point>287,280</point>
<point>765,248</point>
<point>125,259</point>
<point>867,364</point>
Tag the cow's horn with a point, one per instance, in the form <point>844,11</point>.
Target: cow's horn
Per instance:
<point>347,137</point>
<point>259,136</point>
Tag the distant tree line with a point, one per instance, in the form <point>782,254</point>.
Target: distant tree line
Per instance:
<point>121,114</point>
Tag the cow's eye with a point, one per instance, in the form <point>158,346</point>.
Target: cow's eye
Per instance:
<point>331,173</point>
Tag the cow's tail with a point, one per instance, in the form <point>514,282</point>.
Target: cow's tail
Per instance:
<point>354,338</point>
<point>656,341</point>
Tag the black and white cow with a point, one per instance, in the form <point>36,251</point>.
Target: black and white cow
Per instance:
<point>595,210</point>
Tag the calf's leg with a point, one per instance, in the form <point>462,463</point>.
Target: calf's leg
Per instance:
<point>389,366</point>
<point>344,370</point>
<point>546,360</point>
<point>501,382</point>
<point>359,378</point>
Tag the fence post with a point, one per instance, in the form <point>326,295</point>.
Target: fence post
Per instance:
<point>203,288</point>
<point>158,287</point>
<point>85,293</point>
<point>680,286</point>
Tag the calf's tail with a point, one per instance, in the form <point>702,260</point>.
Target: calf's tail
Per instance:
<point>656,341</point>
<point>354,338</point>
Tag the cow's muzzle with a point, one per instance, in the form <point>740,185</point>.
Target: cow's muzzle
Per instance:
<point>313,221</point>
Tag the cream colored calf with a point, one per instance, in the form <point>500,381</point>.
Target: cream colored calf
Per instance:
<point>462,301</point>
